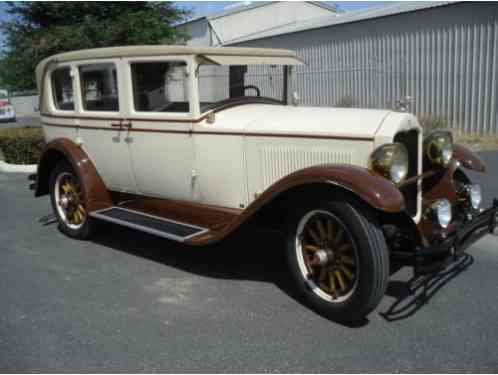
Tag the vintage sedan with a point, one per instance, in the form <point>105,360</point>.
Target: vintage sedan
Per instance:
<point>190,143</point>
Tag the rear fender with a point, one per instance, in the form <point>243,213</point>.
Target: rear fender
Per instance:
<point>94,190</point>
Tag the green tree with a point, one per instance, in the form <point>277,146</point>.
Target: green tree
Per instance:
<point>40,29</point>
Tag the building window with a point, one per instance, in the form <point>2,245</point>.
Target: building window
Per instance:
<point>160,86</point>
<point>62,89</point>
<point>99,87</point>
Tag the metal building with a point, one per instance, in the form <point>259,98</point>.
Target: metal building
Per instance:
<point>245,19</point>
<point>442,54</point>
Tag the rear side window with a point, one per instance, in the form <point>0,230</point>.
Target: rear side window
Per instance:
<point>160,86</point>
<point>99,87</point>
<point>62,89</point>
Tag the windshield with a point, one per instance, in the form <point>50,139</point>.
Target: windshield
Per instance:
<point>3,94</point>
<point>220,85</point>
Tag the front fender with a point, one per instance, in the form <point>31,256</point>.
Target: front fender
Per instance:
<point>94,190</point>
<point>468,159</point>
<point>373,189</point>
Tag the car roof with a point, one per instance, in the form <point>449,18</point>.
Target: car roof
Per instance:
<point>160,50</point>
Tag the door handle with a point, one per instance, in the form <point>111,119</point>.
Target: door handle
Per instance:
<point>117,125</point>
<point>126,124</point>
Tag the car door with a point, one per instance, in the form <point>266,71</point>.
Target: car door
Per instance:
<point>101,108</point>
<point>159,117</point>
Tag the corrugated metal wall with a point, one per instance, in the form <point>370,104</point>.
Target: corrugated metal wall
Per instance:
<point>446,58</point>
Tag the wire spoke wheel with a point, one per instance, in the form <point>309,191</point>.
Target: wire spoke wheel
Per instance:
<point>327,256</point>
<point>69,200</point>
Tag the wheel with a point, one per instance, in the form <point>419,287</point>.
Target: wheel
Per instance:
<point>338,260</point>
<point>68,202</point>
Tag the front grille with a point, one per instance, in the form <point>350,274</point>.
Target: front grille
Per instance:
<point>410,192</point>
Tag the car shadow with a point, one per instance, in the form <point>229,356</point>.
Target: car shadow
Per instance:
<point>411,295</point>
<point>248,254</point>
<point>258,255</point>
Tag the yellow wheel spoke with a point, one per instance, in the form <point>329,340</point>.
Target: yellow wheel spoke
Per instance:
<point>333,286</point>
<point>340,279</point>
<point>344,247</point>
<point>81,210</point>
<point>77,217</point>
<point>321,229</point>
<point>347,260</point>
<point>311,248</point>
<point>330,232</point>
<point>339,235</point>
<point>347,272</point>
<point>314,236</point>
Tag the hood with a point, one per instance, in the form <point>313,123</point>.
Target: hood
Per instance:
<point>326,121</point>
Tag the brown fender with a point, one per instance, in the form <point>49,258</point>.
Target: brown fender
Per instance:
<point>375,190</point>
<point>95,192</point>
<point>468,159</point>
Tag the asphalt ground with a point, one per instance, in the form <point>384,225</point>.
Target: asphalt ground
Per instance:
<point>127,301</point>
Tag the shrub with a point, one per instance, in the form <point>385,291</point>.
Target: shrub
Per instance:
<point>430,122</point>
<point>21,146</point>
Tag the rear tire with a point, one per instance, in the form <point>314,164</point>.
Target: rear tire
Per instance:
<point>340,276</point>
<point>68,202</point>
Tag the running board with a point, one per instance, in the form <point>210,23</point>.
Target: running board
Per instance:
<point>156,225</point>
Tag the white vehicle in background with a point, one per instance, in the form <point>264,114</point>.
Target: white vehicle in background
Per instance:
<point>7,112</point>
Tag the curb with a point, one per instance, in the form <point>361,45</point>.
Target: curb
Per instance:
<point>17,168</point>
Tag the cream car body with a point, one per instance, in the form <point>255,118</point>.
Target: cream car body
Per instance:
<point>251,146</point>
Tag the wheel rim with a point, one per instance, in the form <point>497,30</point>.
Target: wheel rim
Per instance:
<point>327,256</point>
<point>68,200</point>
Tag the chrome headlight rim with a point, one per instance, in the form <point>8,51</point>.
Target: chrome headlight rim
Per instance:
<point>438,147</point>
<point>390,161</point>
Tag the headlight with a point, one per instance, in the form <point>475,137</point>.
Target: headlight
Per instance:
<point>475,196</point>
<point>391,161</point>
<point>442,211</point>
<point>438,147</point>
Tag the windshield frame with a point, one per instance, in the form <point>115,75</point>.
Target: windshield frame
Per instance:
<point>236,101</point>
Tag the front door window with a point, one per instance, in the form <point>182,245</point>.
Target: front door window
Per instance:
<point>160,87</point>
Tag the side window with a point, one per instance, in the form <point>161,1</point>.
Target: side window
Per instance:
<point>99,87</point>
<point>160,87</point>
<point>62,89</point>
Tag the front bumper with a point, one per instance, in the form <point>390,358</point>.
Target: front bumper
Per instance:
<point>439,254</point>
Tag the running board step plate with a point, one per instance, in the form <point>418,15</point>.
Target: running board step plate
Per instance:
<point>156,225</point>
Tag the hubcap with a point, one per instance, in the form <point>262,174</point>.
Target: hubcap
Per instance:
<point>327,256</point>
<point>68,197</point>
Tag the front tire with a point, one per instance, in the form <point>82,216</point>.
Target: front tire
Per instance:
<point>338,260</point>
<point>68,202</point>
